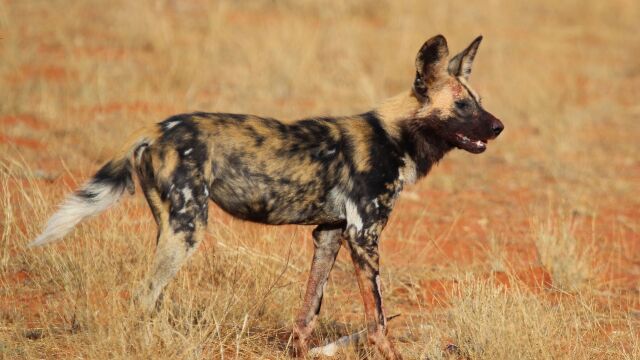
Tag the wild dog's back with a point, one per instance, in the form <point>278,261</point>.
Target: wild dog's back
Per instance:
<point>269,171</point>
<point>258,169</point>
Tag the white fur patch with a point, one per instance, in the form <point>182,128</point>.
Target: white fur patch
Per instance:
<point>171,124</point>
<point>188,195</point>
<point>138,154</point>
<point>77,208</point>
<point>353,216</point>
<point>336,202</point>
<point>188,151</point>
<point>409,172</point>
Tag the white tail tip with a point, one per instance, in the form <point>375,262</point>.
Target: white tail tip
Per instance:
<point>92,199</point>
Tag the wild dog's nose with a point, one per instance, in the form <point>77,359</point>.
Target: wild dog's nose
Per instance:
<point>497,127</point>
<point>494,123</point>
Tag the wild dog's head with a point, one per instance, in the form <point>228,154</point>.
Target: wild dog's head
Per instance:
<point>449,108</point>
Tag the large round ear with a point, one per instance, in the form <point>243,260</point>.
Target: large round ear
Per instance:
<point>460,65</point>
<point>430,63</point>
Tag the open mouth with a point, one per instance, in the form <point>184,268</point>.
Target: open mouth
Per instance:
<point>471,145</point>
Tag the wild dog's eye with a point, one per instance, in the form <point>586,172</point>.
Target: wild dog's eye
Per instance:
<point>462,105</point>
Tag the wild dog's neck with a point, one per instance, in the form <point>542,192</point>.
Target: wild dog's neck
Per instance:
<point>419,142</point>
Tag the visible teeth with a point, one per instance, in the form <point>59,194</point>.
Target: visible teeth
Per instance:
<point>478,143</point>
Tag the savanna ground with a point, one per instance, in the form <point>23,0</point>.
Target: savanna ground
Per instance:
<point>528,251</point>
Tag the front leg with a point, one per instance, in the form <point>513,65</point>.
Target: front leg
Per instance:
<point>326,241</point>
<point>363,245</point>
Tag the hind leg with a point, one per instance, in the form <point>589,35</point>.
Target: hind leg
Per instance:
<point>170,255</point>
<point>181,214</point>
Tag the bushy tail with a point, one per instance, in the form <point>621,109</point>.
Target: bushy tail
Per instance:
<point>99,193</point>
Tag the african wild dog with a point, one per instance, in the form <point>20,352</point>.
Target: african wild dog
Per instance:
<point>342,174</point>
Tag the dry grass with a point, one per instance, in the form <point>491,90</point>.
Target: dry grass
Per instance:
<point>488,321</point>
<point>458,254</point>
<point>571,264</point>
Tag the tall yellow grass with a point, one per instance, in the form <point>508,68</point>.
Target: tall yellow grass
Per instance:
<point>76,77</point>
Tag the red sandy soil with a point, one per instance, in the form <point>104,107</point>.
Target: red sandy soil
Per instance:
<point>430,227</point>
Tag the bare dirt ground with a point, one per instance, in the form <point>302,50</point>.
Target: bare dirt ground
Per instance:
<point>528,251</point>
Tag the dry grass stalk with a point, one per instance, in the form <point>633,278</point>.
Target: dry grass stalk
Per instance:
<point>570,263</point>
<point>563,76</point>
